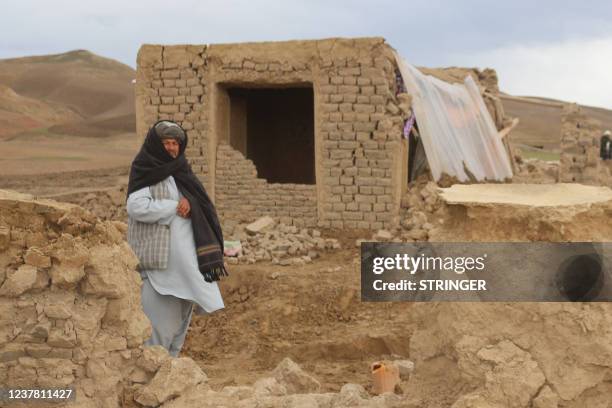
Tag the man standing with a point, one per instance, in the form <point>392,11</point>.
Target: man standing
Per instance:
<point>174,230</point>
<point>605,146</point>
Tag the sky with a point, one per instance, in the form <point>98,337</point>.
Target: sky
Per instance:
<point>558,49</point>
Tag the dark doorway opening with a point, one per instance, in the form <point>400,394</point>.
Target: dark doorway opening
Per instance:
<point>274,127</point>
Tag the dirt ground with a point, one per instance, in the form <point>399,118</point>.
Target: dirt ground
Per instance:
<point>311,313</point>
<point>37,154</point>
<point>55,184</point>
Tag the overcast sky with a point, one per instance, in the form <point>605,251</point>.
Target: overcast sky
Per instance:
<point>559,49</point>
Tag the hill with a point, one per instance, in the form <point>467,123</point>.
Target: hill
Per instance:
<point>75,93</point>
<point>540,120</point>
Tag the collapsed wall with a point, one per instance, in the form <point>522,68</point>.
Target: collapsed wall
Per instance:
<point>70,312</point>
<point>580,161</point>
<point>242,196</point>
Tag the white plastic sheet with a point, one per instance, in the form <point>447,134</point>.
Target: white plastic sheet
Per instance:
<point>455,126</point>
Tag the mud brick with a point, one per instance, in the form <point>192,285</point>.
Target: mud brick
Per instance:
<point>349,98</point>
<point>364,126</point>
<point>168,108</point>
<point>197,90</point>
<point>171,74</point>
<point>356,71</point>
<point>328,89</point>
<point>168,92</point>
<point>346,107</point>
<point>348,89</point>
<point>329,107</point>
<point>352,215</point>
<point>363,108</point>
<point>192,82</point>
<point>367,90</point>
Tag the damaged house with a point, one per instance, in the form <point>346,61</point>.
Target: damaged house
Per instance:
<point>315,133</point>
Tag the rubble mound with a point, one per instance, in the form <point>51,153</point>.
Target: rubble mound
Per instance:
<point>70,310</point>
<point>71,316</point>
<point>267,240</point>
<point>106,204</point>
<point>535,171</point>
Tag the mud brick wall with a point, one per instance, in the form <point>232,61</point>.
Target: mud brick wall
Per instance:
<point>580,161</point>
<point>169,86</point>
<point>360,133</point>
<point>359,153</point>
<point>241,196</point>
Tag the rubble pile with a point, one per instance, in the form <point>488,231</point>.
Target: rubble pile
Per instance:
<point>536,171</point>
<point>107,204</point>
<point>267,240</point>
<point>71,316</point>
<point>422,205</point>
<point>288,386</point>
<point>70,311</point>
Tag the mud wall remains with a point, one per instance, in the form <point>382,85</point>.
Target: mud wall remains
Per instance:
<point>580,161</point>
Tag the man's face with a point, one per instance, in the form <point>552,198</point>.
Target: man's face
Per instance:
<point>172,147</point>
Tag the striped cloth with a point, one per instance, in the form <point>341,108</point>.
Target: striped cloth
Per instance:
<point>151,241</point>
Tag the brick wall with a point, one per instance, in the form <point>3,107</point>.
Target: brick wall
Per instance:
<point>358,123</point>
<point>580,162</point>
<point>242,197</point>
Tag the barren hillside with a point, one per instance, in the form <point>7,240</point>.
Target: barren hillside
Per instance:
<point>540,120</point>
<point>76,93</point>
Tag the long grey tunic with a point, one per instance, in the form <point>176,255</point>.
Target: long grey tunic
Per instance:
<point>182,278</point>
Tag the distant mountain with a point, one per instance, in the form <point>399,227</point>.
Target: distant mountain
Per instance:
<point>76,93</point>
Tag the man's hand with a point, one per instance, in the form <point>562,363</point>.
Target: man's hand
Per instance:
<point>183,209</point>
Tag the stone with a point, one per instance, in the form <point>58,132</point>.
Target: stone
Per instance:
<point>383,235</point>
<point>62,337</point>
<point>359,241</point>
<point>406,367</point>
<point>295,380</point>
<point>152,358</point>
<point>139,376</point>
<point>269,386</point>
<point>351,395</point>
<point>59,305</point>
<point>19,281</point>
<point>546,398</point>
<point>173,377</point>
<point>241,392</point>
<point>35,257</point>
<point>259,225</point>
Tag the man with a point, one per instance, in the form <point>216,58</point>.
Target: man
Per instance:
<point>605,147</point>
<point>174,230</point>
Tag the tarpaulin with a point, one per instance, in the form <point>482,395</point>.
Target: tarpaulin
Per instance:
<point>456,128</point>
